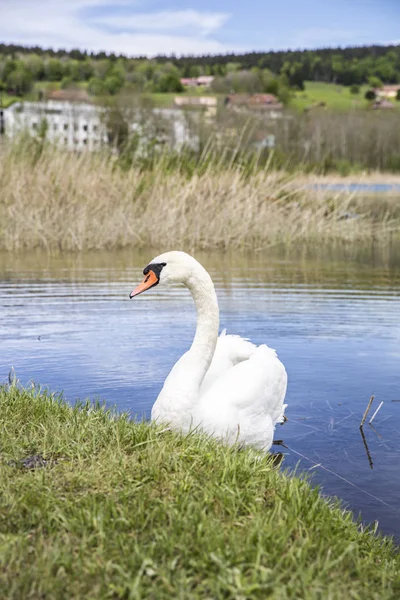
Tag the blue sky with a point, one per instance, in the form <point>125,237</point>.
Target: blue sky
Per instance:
<point>137,27</point>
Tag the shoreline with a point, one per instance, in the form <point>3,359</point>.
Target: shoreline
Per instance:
<point>92,502</point>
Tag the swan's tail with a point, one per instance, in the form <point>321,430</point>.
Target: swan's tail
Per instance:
<point>281,418</point>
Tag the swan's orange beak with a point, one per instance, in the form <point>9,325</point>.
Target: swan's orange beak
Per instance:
<point>149,281</point>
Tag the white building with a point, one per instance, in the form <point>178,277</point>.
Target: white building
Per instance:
<point>74,125</point>
<point>387,91</point>
<point>80,126</point>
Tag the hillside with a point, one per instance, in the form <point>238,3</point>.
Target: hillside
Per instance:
<point>346,66</point>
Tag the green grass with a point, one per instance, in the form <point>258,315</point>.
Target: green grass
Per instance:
<point>129,510</point>
<point>6,100</point>
<point>56,85</point>
<point>337,97</point>
<point>160,100</point>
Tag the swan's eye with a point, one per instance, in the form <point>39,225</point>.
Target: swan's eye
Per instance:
<point>155,267</point>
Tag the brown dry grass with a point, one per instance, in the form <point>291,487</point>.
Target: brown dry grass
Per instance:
<point>64,201</point>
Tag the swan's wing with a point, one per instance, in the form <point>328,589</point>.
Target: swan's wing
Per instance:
<point>247,400</point>
<point>230,350</point>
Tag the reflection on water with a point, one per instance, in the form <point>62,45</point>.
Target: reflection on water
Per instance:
<point>67,323</point>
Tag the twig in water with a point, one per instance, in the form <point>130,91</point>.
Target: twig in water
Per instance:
<point>375,413</point>
<point>278,443</point>
<point>367,410</point>
<point>371,464</point>
<point>375,431</point>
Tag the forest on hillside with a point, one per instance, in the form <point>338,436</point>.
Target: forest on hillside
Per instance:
<point>275,72</point>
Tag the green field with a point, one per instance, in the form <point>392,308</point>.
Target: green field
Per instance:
<point>95,506</point>
<point>6,100</point>
<point>337,97</point>
<point>160,100</point>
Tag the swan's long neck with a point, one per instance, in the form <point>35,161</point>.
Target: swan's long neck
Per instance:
<point>205,340</point>
<point>180,394</point>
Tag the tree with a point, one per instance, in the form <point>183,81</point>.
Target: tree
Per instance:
<point>117,126</point>
<point>398,96</point>
<point>294,72</point>
<point>283,89</point>
<point>67,82</point>
<point>119,72</point>
<point>147,68</point>
<point>112,84</point>
<point>284,94</point>
<point>375,82</point>
<point>270,82</point>
<point>76,54</point>
<point>54,69</point>
<point>137,80</point>
<point>245,82</point>
<point>232,67</point>
<point>35,65</point>
<point>169,82</point>
<point>355,89</point>
<point>86,70</point>
<point>370,95</point>
<point>73,70</point>
<point>347,66</point>
<point>102,67</point>
<point>96,87</point>
<point>9,66</point>
<point>194,71</point>
<point>20,81</point>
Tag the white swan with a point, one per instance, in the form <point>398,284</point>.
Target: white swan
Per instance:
<point>224,385</point>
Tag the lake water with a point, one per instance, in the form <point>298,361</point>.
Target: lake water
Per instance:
<point>67,323</point>
<point>376,188</point>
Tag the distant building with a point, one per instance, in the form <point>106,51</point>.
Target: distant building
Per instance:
<point>387,91</point>
<point>178,127</point>
<point>69,95</point>
<point>264,102</point>
<point>205,80</point>
<point>207,102</point>
<point>74,125</point>
<point>195,101</point>
<point>202,80</point>
<point>80,126</point>
<point>189,81</point>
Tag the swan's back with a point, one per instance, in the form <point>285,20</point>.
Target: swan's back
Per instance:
<point>247,400</point>
<point>230,350</point>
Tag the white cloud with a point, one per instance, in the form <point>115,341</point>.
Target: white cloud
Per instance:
<point>74,23</point>
<point>194,20</point>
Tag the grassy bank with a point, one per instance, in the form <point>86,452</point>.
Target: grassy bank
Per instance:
<point>336,97</point>
<point>95,506</point>
<point>64,201</point>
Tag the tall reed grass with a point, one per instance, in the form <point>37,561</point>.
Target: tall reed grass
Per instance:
<point>65,201</point>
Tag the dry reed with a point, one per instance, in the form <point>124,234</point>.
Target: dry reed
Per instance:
<point>66,201</point>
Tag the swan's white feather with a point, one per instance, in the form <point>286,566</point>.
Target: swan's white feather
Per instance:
<point>246,401</point>
<point>230,350</point>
